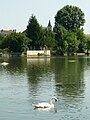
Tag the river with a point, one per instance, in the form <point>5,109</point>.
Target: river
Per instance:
<point>24,82</point>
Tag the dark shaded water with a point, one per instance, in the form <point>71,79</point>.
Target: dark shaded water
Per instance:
<point>24,82</point>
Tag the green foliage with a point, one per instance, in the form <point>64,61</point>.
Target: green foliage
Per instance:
<point>15,42</point>
<point>82,41</point>
<point>80,34</point>
<point>66,40</point>
<point>1,39</point>
<point>49,38</point>
<point>72,41</point>
<point>60,33</point>
<point>33,32</point>
<point>87,44</point>
<point>68,35</point>
<point>71,17</point>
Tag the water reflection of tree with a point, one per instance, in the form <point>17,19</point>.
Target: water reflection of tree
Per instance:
<point>16,65</point>
<point>36,68</point>
<point>69,76</point>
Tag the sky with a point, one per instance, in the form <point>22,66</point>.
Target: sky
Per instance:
<point>15,14</point>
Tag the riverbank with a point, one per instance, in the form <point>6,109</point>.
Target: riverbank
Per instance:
<point>28,54</point>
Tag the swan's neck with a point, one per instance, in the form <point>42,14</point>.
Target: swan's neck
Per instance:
<point>50,102</point>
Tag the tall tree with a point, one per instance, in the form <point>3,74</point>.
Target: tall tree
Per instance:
<point>71,17</point>
<point>61,43</point>
<point>33,32</point>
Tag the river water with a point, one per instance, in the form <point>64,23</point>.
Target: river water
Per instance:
<point>24,82</point>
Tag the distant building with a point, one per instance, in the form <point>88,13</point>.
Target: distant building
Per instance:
<point>38,53</point>
<point>7,32</point>
<point>49,25</point>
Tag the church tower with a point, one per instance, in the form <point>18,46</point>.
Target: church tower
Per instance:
<point>49,25</point>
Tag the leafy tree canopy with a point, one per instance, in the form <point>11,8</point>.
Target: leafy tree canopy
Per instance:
<point>49,38</point>
<point>15,42</point>
<point>71,17</point>
<point>72,41</point>
<point>87,47</point>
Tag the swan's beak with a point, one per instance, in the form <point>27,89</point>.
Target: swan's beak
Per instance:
<point>56,100</point>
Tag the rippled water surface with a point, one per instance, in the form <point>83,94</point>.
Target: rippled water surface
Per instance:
<point>24,82</point>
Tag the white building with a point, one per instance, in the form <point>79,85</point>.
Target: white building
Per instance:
<point>38,53</point>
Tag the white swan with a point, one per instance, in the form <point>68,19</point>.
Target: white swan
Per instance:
<point>4,63</point>
<point>45,105</point>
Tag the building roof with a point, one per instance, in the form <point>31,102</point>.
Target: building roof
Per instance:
<point>7,32</point>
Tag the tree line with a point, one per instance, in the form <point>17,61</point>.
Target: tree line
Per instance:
<point>67,35</point>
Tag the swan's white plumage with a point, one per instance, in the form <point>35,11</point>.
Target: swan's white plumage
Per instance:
<point>45,105</point>
<point>4,63</point>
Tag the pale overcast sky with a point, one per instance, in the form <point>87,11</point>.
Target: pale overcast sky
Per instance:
<point>14,14</point>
